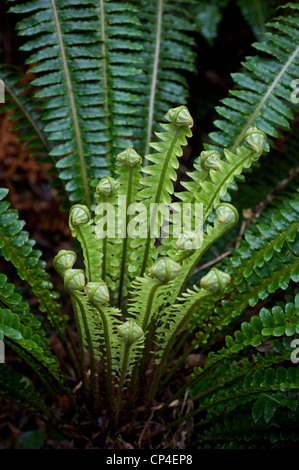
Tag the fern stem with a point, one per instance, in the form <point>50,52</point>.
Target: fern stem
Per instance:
<point>81,344</point>
<point>67,349</point>
<point>170,342</point>
<point>105,74</point>
<point>93,374</point>
<point>209,206</point>
<point>108,352</point>
<point>154,78</point>
<point>73,105</point>
<point>71,359</point>
<point>73,344</point>
<point>264,99</point>
<point>103,39</point>
<point>124,368</point>
<point>103,248</point>
<point>138,369</point>
<point>104,258</point>
<point>61,360</point>
<point>176,136</point>
<point>151,329</point>
<point>150,300</point>
<point>85,250</point>
<point>125,240</point>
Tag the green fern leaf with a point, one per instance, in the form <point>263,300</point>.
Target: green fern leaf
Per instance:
<point>262,93</point>
<point>17,248</point>
<point>15,387</point>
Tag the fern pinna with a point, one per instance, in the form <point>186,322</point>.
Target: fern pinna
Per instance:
<point>267,379</point>
<point>96,93</point>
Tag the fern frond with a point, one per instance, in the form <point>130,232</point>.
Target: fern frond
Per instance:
<point>24,332</point>
<point>107,230</point>
<point>135,356</point>
<point>141,299</point>
<point>17,248</point>
<point>262,93</point>
<point>129,171</point>
<point>23,335</point>
<point>14,301</point>
<point>177,316</point>
<point>18,99</point>
<point>147,297</point>
<point>89,322</point>
<point>158,182</point>
<point>261,327</point>
<point>168,52</point>
<point>83,78</point>
<point>211,234</point>
<point>257,14</point>
<point>97,330</point>
<point>239,430</point>
<point>174,318</point>
<point>210,186</point>
<point>245,389</point>
<point>116,246</point>
<point>14,386</point>
<point>112,319</point>
<point>267,261</point>
<point>275,177</point>
<point>94,85</point>
<point>85,234</point>
<point>89,338</point>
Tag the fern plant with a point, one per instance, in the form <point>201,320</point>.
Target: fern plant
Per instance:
<point>139,308</point>
<point>262,348</point>
<point>117,339</point>
<point>97,91</point>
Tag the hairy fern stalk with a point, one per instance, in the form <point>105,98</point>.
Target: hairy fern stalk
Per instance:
<point>146,294</point>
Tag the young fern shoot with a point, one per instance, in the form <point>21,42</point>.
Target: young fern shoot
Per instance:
<point>128,324</point>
